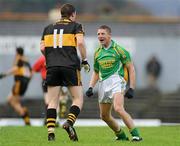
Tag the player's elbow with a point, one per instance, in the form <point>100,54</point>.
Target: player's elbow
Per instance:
<point>80,44</point>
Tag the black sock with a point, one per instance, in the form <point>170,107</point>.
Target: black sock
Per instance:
<point>73,113</point>
<point>51,119</point>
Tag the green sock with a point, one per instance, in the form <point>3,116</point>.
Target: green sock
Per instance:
<point>135,132</point>
<point>121,135</point>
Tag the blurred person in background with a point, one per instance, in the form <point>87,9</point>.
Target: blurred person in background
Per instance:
<point>109,60</point>
<point>22,73</point>
<point>40,67</point>
<point>153,70</point>
<point>59,44</point>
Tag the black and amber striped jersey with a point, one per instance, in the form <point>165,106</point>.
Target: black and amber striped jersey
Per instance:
<point>23,68</point>
<point>60,43</point>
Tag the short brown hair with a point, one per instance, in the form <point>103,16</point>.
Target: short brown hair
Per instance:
<point>107,28</point>
<point>20,51</point>
<point>67,10</point>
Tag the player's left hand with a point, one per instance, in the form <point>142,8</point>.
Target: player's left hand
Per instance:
<point>130,93</point>
<point>2,75</point>
<point>85,65</point>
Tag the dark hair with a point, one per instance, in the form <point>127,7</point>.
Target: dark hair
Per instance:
<point>67,10</point>
<point>20,51</point>
<point>107,28</point>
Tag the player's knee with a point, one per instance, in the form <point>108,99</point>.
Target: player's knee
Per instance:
<point>119,110</point>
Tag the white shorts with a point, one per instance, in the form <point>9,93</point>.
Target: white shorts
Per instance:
<point>109,87</point>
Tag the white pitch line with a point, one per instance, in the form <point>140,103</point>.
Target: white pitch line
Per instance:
<point>79,122</point>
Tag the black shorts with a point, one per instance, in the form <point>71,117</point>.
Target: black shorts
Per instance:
<point>20,86</point>
<point>44,86</point>
<point>63,76</point>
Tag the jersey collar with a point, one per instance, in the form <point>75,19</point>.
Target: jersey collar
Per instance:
<point>64,20</point>
<point>110,46</point>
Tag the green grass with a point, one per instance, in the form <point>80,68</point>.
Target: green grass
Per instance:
<point>88,136</point>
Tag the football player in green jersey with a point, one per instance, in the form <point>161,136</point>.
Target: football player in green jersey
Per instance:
<point>109,62</point>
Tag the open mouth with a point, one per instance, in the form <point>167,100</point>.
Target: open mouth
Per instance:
<point>101,40</point>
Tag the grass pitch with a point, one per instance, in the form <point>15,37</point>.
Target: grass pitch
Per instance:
<point>88,136</point>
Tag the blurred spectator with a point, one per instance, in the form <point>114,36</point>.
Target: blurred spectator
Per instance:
<point>153,70</point>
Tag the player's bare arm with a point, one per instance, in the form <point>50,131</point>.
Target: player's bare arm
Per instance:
<point>132,74</point>
<point>82,50</point>
<point>11,71</point>
<point>92,83</point>
<point>42,47</point>
<point>81,45</point>
<point>94,79</point>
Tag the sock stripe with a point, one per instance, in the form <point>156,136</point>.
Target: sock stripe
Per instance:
<point>70,114</point>
<point>51,120</point>
<point>71,118</point>
<point>50,124</point>
<point>73,114</point>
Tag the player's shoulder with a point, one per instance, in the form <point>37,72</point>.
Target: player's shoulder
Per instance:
<point>98,50</point>
<point>119,47</point>
<point>79,28</point>
<point>49,26</point>
<point>76,23</point>
<point>116,45</point>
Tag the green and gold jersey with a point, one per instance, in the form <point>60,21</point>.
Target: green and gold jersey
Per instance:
<point>110,61</point>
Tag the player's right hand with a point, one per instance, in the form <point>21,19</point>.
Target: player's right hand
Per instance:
<point>2,75</point>
<point>89,92</point>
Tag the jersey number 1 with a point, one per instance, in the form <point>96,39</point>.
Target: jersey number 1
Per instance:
<point>60,40</point>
